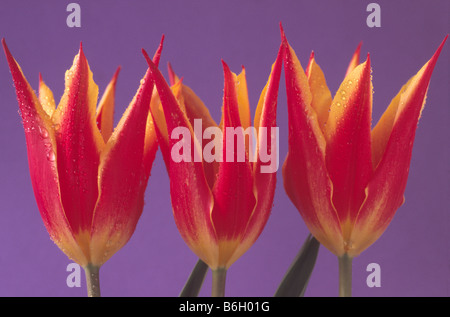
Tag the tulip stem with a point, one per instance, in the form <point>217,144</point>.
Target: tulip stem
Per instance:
<point>218,282</point>
<point>345,276</point>
<point>92,280</point>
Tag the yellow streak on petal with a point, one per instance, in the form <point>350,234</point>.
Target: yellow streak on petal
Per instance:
<point>92,96</point>
<point>227,254</point>
<point>158,116</point>
<point>354,62</point>
<point>242,98</point>
<point>105,110</point>
<point>46,98</point>
<point>382,131</point>
<point>364,232</point>
<point>339,107</point>
<point>260,106</point>
<point>321,95</point>
<point>303,84</point>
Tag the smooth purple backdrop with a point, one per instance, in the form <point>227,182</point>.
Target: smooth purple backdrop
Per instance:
<point>414,251</point>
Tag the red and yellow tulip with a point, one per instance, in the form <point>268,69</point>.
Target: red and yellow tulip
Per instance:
<point>220,207</point>
<point>88,180</point>
<point>346,179</point>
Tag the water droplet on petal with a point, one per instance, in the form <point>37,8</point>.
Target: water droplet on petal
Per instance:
<point>51,156</point>
<point>43,132</point>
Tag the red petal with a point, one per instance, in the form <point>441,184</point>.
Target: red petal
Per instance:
<point>123,176</point>
<point>304,172</point>
<point>78,143</point>
<point>196,109</point>
<point>354,62</point>
<point>348,155</point>
<point>264,180</point>
<point>192,200</point>
<point>385,191</point>
<point>233,190</point>
<point>40,140</point>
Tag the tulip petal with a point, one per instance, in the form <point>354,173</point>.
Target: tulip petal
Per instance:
<point>123,175</point>
<point>306,180</point>
<point>192,200</point>
<point>41,147</point>
<point>242,98</point>
<point>321,95</point>
<point>384,193</point>
<point>46,97</point>
<point>78,145</point>
<point>157,114</point>
<point>264,182</point>
<point>105,109</point>
<point>173,78</point>
<point>233,190</point>
<point>354,62</point>
<point>196,109</point>
<point>348,155</point>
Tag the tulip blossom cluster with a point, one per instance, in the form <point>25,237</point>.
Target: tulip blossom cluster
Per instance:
<point>346,179</point>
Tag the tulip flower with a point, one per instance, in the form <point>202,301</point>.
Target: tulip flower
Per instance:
<point>88,180</point>
<point>220,206</point>
<point>346,179</point>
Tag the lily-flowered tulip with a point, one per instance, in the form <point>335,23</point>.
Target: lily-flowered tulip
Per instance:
<point>220,206</point>
<point>346,179</point>
<point>88,180</point>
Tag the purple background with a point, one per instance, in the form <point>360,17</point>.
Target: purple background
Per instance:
<point>413,252</point>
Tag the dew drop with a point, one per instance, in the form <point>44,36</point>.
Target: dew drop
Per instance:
<point>51,156</point>
<point>43,132</point>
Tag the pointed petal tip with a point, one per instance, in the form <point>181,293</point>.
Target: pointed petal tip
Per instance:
<point>157,55</point>
<point>283,35</point>
<point>81,52</point>
<point>224,65</point>
<point>367,62</point>
<point>116,73</point>
<point>5,47</point>
<point>147,58</point>
<point>434,58</point>
<point>311,57</point>
<point>438,51</point>
<point>172,75</point>
<point>40,78</point>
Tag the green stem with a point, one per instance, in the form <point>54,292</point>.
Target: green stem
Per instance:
<point>218,282</point>
<point>195,281</point>
<point>345,276</point>
<point>92,280</point>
